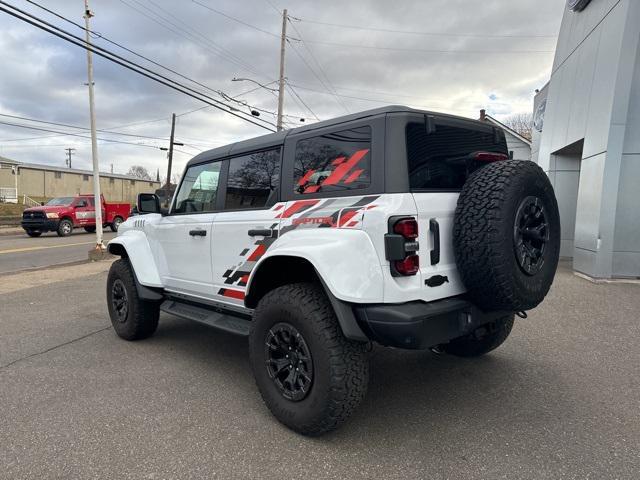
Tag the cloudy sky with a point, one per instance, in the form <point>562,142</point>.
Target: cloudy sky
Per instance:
<point>454,56</point>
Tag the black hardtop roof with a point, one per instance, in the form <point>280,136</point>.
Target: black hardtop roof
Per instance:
<point>274,139</point>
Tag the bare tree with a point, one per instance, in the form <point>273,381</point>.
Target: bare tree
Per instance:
<point>521,123</point>
<point>140,172</point>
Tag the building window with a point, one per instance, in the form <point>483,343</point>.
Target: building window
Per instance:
<point>85,178</point>
<point>112,181</point>
<point>57,174</point>
<point>133,182</point>
<point>151,184</point>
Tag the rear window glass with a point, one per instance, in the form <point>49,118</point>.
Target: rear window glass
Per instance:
<point>440,160</point>
<point>333,162</point>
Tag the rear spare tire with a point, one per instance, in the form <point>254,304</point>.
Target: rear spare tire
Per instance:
<point>506,235</point>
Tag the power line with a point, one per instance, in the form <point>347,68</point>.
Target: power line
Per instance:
<point>197,38</point>
<point>80,128</point>
<point>31,127</point>
<point>315,74</point>
<point>313,57</point>
<point>237,20</point>
<point>413,32</point>
<point>291,89</point>
<point>423,50</point>
<point>130,65</point>
<point>274,7</point>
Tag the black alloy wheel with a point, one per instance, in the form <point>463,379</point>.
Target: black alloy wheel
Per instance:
<point>530,234</point>
<point>119,300</point>
<point>288,361</point>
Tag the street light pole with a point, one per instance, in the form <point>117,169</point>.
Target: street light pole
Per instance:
<point>94,141</point>
<point>283,40</point>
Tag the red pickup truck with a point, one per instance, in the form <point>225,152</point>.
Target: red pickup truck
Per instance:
<point>63,214</point>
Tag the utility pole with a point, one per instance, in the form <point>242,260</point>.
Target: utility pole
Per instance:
<point>283,40</point>
<point>167,186</point>
<point>70,152</point>
<point>94,142</point>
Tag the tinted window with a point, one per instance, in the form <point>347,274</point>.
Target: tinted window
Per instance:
<point>198,189</point>
<point>442,159</point>
<point>333,162</point>
<point>253,180</point>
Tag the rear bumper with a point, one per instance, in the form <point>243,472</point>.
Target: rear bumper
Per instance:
<point>43,225</point>
<point>420,325</point>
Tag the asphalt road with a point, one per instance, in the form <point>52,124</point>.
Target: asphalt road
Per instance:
<point>20,252</point>
<point>560,399</point>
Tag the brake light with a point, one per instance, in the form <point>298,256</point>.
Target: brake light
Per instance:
<point>401,245</point>
<point>490,157</point>
<point>409,266</point>
<point>407,227</point>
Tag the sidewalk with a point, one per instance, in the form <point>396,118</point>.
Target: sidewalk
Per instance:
<point>10,230</point>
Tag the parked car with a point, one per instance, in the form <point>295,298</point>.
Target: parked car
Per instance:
<point>63,214</point>
<point>397,226</point>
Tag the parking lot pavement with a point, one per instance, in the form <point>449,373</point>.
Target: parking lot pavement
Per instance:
<point>559,400</point>
<point>19,252</point>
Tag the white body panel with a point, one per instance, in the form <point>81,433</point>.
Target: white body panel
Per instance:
<point>343,238</point>
<point>185,264</point>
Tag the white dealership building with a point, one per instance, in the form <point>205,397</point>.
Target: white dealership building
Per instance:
<point>587,135</point>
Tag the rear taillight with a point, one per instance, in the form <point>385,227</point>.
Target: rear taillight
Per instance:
<point>490,157</point>
<point>401,246</point>
<point>409,266</point>
<point>407,227</point>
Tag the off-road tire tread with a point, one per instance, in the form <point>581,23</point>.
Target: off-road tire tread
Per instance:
<point>485,265</point>
<point>143,314</point>
<point>349,362</point>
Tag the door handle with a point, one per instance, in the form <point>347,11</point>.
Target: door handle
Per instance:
<point>198,233</point>
<point>434,226</point>
<point>260,232</point>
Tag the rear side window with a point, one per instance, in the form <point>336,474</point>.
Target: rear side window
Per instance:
<point>198,189</point>
<point>441,160</point>
<point>253,180</point>
<point>333,162</point>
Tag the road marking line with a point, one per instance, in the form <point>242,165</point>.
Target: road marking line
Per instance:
<point>30,249</point>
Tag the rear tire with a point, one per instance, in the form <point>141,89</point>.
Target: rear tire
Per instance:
<point>34,233</point>
<point>65,228</point>
<point>334,371</point>
<point>115,224</point>
<point>482,340</point>
<point>506,236</point>
<point>132,318</point>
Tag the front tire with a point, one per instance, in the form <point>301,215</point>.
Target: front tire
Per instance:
<point>115,224</point>
<point>65,228</point>
<point>482,340</point>
<point>295,327</point>
<point>132,318</point>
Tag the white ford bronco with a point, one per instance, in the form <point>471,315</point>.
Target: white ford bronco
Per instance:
<point>405,228</point>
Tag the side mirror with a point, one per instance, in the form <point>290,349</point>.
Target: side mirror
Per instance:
<point>148,203</point>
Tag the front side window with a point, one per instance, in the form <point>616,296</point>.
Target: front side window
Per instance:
<point>198,189</point>
<point>253,180</point>
<point>333,162</point>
